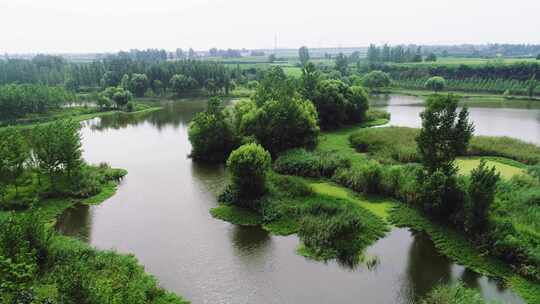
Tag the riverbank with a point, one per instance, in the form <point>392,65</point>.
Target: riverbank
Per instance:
<point>476,99</point>
<point>80,113</point>
<point>60,268</point>
<point>509,158</point>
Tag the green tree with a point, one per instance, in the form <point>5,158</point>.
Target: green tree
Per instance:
<point>211,134</point>
<point>309,81</point>
<point>373,53</point>
<point>445,134</point>
<point>338,103</point>
<point>249,166</point>
<point>181,84</point>
<point>275,85</point>
<point>342,64</point>
<point>481,190</point>
<point>435,83</point>
<point>303,55</point>
<point>282,124</point>
<point>431,57</point>
<point>57,148</point>
<point>14,152</point>
<point>138,84</point>
<point>376,80</point>
<point>271,58</point>
<point>357,105</point>
<point>531,86</point>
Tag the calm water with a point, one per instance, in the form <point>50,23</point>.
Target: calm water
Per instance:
<point>521,123</point>
<point>160,214</point>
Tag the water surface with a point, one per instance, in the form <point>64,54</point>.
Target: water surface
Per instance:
<point>160,214</point>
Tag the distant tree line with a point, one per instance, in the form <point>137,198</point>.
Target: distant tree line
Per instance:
<point>516,71</point>
<point>399,53</point>
<point>54,71</point>
<point>228,53</point>
<point>19,100</point>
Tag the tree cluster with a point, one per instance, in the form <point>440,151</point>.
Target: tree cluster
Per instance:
<point>18,100</point>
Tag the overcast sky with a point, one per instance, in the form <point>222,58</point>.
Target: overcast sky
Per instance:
<point>113,25</point>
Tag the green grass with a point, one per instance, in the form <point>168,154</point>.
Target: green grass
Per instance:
<point>378,206</point>
<point>454,245</point>
<point>236,215</point>
<point>466,165</point>
<point>293,71</point>
<point>398,145</point>
<point>337,141</point>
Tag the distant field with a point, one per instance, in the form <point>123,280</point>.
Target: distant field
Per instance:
<point>472,61</point>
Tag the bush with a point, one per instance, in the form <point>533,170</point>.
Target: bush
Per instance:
<point>24,249</point>
<point>441,195</point>
<point>249,165</point>
<point>290,186</point>
<point>435,83</point>
<point>329,230</point>
<point>374,114</point>
<point>376,80</point>
<point>387,145</point>
<point>365,178</point>
<point>310,164</point>
<point>508,147</point>
<point>457,294</point>
<point>481,191</point>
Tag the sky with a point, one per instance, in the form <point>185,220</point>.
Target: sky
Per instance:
<point>76,26</point>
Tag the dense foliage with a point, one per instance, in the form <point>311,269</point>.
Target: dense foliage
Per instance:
<point>376,80</point>
<point>435,83</point>
<point>211,133</point>
<point>18,100</point>
<point>310,164</point>
<point>456,294</point>
<point>339,104</point>
<point>38,266</point>
<point>249,166</point>
<point>144,69</point>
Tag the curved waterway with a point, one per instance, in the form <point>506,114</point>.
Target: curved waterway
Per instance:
<point>160,214</point>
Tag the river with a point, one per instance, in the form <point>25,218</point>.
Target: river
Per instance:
<point>160,214</point>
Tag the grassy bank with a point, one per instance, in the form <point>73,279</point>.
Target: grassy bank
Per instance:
<point>398,145</point>
<point>330,221</point>
<point>454,245</point>
<point>79,114</point>
<point>477,99</point>
<point>51,268</point>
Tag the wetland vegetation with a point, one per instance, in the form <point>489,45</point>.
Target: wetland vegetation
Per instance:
<point>305,153</point>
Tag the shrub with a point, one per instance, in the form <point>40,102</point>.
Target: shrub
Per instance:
<point>310,164</point>
<point>290,186</point>
<point>249,165</point>
<point>374,114</point>
<point>365,178</point>
<point>330,230</point>
<point>515,149</point>
<point>376,80</point>
<point>457,294</point>
<point>481,190</point>
<point>435,83</point>
<point>387,145</point>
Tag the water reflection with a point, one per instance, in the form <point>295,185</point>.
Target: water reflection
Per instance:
<point>160,214</point>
